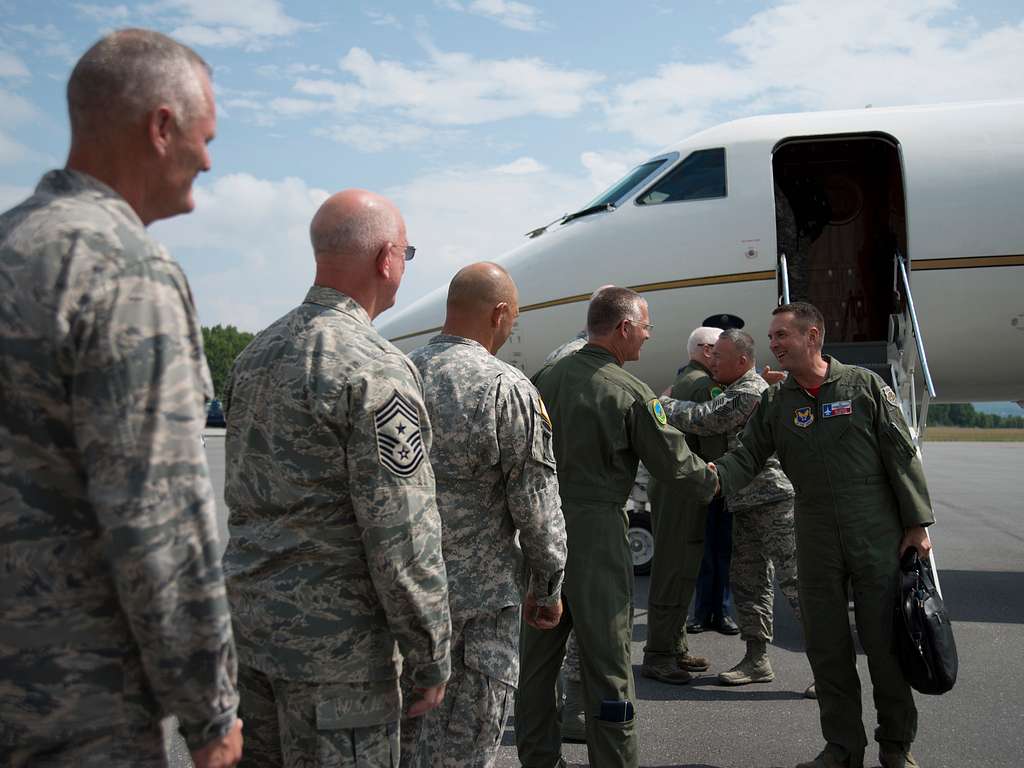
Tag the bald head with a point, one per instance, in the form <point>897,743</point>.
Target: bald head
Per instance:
<point>354,225</point>
<point>480,287</point>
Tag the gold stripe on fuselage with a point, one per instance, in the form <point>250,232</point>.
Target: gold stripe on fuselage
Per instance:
<point>919,265</point>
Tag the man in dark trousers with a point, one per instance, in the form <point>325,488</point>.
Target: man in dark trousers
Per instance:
<point>604,422</point>
<point>861,501</point>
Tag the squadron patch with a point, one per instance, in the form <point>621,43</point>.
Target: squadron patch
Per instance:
<point>715,392</point>
<point>399,442</point>
<point>658,411</point>
<point>841,408</point>
<point>890,396</point>
<point>803,417</point>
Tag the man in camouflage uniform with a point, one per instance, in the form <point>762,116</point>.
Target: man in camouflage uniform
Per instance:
<point>498,498</point>
<point>605,420</point>
<point>112,604</point>
<point>679,521</point>
<point>861,501</point>
<point>763,542</point>
<point>335,550</point>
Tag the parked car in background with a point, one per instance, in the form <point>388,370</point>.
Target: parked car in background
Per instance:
<point>215,415</point>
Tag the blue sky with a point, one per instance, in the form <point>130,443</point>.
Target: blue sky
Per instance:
<point>482,118</point>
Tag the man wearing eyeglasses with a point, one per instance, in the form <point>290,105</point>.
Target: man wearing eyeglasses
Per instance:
<point>334,565</point>
<point>605,421</point>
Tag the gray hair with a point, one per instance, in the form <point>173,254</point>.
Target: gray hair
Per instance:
<point>702,335</point>
<point>360,235</point>
<point>610,307</point>
<point>130,72</point>
<point>742,340</point>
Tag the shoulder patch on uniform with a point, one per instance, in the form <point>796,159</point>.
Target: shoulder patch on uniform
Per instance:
<point>715,392</point>
<point>399,442</point>
<point>544,411</point>
<point>890,396</point>
<point>804,416</point>
<point>658,411</point>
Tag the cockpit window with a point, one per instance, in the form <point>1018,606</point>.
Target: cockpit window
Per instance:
<point>636,177</point>
<point>699,177</point>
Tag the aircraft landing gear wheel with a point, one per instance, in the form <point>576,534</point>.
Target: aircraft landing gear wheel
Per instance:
<point>641,542</point>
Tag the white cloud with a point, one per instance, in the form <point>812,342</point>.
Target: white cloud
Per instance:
<point>508,13</point>
<point>374,138</point>
<point>381,19</point>
<point>253,25</point>
<point>810,54</point>
<point>47,40</point>
<point>12,152</point>
<point>17,109</point>
<point>106,14</point>
<point>520,166</point>
<point>246,247</point>
<point>11,66</point>
<point>11,195</point>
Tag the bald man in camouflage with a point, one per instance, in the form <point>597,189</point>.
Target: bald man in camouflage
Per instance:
<point>495,471</point>
<point>334,564</point>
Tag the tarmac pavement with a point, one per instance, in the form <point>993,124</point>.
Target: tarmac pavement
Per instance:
<point>979,545</point>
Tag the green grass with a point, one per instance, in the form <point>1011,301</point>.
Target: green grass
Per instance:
<point>973,435</point>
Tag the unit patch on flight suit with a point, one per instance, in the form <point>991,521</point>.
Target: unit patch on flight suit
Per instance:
<point>544,411</point>
<point>399,442</point>
<point>803,417</point>
<point>890,396</point>
<point>841,408</point>
<point>658,411</point>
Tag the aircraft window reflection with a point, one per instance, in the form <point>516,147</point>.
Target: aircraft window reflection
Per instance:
<point>631,181</point>
<point>699,177</point>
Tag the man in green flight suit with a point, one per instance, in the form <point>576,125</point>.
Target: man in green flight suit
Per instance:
<point>604,422</point>
<point>679,520</point>
<point>861,501</point>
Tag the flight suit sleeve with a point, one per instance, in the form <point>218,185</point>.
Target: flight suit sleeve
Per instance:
<point>531,488</point>
<point>738,468</point>
<point>726,414</point>
<point>137,387</point>
<point>391,485</point>
<point>662,448</point>
<point>900,458</point>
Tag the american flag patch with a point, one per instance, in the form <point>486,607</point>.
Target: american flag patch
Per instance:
<point>842,408</point>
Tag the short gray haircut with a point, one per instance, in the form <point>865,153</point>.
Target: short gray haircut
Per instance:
<point>360,235</point>
<point>703,335</point>
<point>610,307</point>
<point>742,340</point>
<point>130,72</point>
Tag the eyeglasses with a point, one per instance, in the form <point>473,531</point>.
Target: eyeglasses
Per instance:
<point>408,252</point>
<point>648,326</point>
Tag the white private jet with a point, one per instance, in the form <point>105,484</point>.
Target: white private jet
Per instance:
<point>848,210</point>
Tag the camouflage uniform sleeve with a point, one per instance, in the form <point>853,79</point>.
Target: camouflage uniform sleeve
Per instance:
<point>900,457</point>
<point>531,488</point>
<point>137,395</point>
<point>392,490</point>
<point>663,449</point>
<point>738,468</point>
<point>726,414</point>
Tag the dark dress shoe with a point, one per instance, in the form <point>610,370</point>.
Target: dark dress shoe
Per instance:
<point>727,626</point>
<point>695,627</point>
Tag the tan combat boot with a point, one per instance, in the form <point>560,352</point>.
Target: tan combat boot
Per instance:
<point>834,756</point>
<point>892,754</point>
<point>666,670</point>
<point>754,668</point>
<point>574,719</point>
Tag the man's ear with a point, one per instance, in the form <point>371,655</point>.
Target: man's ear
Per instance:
<point>499,309</point>
<point>383,263</point>
<point>160,126</point>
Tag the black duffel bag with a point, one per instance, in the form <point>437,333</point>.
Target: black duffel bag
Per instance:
<point>923,631</point>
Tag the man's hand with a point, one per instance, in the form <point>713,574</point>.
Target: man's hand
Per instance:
<point>718,484</point>
<point>541,616</point>
<point>772,377</point>
<point>425,699</point>
<point>918,538</point>
<point>224,752</point>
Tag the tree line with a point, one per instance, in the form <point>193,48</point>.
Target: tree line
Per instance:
<point>964,415</point>
<point>223,343</point>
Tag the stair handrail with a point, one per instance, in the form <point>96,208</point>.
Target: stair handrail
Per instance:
<point>918,338</point>
<point>784,272</point>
